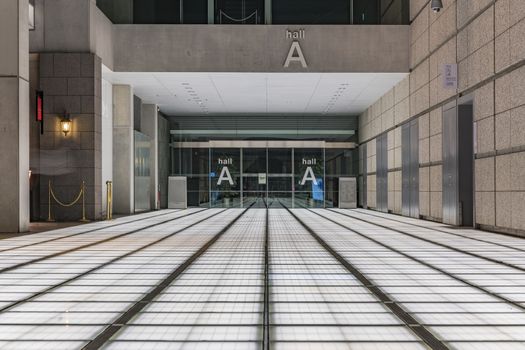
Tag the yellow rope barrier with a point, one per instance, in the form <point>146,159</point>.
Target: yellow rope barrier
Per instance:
<point>109,200</point>
<point>70,204</point>
<point>81,194</point>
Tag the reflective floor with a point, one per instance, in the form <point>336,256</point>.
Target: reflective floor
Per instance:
<point>262,279</point>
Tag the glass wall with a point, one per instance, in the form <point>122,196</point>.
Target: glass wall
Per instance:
<point>280,177</point>
<point>142,171</point>
<point>225,177</point>
<point>254,179</point>
<point>194,163</point>
<point>338,163</point>
<point>273,177</point>
<point>239,11</point>
<point>309,177</point>
<point>155,11</point>
<point>254,11</point>
<point>311,12</point>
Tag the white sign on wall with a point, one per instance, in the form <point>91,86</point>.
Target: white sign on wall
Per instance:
<point>262,179</point>
<point>225,172</point>
<point>309,176</point>
<point>449,74</point>
<point>225,176</point>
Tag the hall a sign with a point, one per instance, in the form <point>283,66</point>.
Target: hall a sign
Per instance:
<point>225,172</point>
<point>295,54</point>
<point>309,173</point>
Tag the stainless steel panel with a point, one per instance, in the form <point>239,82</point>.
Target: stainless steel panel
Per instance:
<point>177,192</point>
<point>405,170</point>
<point>381,173</point>
<point>414,169</point>
<point>384,161</point>
<point>450,167</point>
<point>363,171</point>
<point>142,172</point>
<point>347,193</point>
<point>378,173</point>
<point>410,169</point>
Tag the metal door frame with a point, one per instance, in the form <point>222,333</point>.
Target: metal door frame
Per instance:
<point>458,171</point>
<point>382,173</point>
<point>414,168</point>
<point>410,169</point>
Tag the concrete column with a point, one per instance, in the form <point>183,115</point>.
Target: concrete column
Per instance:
<point>67,26</point>
<point>149,125</point>
<point>164,160</point>
<point>14,116</point>
<point>123,150</point>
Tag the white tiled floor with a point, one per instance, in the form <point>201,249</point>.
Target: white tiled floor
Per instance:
<point>218,301</point>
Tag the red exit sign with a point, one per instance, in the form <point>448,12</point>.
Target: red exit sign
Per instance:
<point>39,106</point>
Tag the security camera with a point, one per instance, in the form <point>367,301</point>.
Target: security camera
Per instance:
<point>436,5</point>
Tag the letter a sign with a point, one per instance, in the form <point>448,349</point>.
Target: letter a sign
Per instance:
<point>225,175</point>
<point>309,176</point>
<point>295,55</point>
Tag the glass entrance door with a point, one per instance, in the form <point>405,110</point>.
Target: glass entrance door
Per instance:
<point>238,177</point>
<point>280,177</point>
<point>225,178</point>
<point>254,177</point>
<point>309,175</point>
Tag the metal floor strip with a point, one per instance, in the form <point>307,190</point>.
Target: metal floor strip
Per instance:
<point>424,334</point>
<point>484,290</point>
<point>138,306</point>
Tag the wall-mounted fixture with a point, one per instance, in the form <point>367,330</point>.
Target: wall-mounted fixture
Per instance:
<point>40,109</point>
<point>65,124</point>
<point>31,14</point>
<point>436,5</point>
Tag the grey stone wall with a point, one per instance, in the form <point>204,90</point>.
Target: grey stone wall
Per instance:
<point>486,38</point>
<point>72,26</point>
<point>123,150</point>
<point>14,116</point>
<point>72,84</point>
<point>259,48</point>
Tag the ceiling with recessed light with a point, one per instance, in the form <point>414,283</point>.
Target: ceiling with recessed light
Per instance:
<point>229,94</point>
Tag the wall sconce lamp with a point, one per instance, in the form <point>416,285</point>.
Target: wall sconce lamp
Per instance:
<point>65,124</point>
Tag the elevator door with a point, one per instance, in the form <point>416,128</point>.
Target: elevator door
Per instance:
<point>458,166</point>
<point>382,173</point>
<point>410,169</point>
<point>363,170</point>
<point>414,169</point>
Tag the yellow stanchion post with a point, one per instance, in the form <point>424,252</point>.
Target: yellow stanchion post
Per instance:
<point>84,203</point>
<point>49,218</point>
<point>109,200</point>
